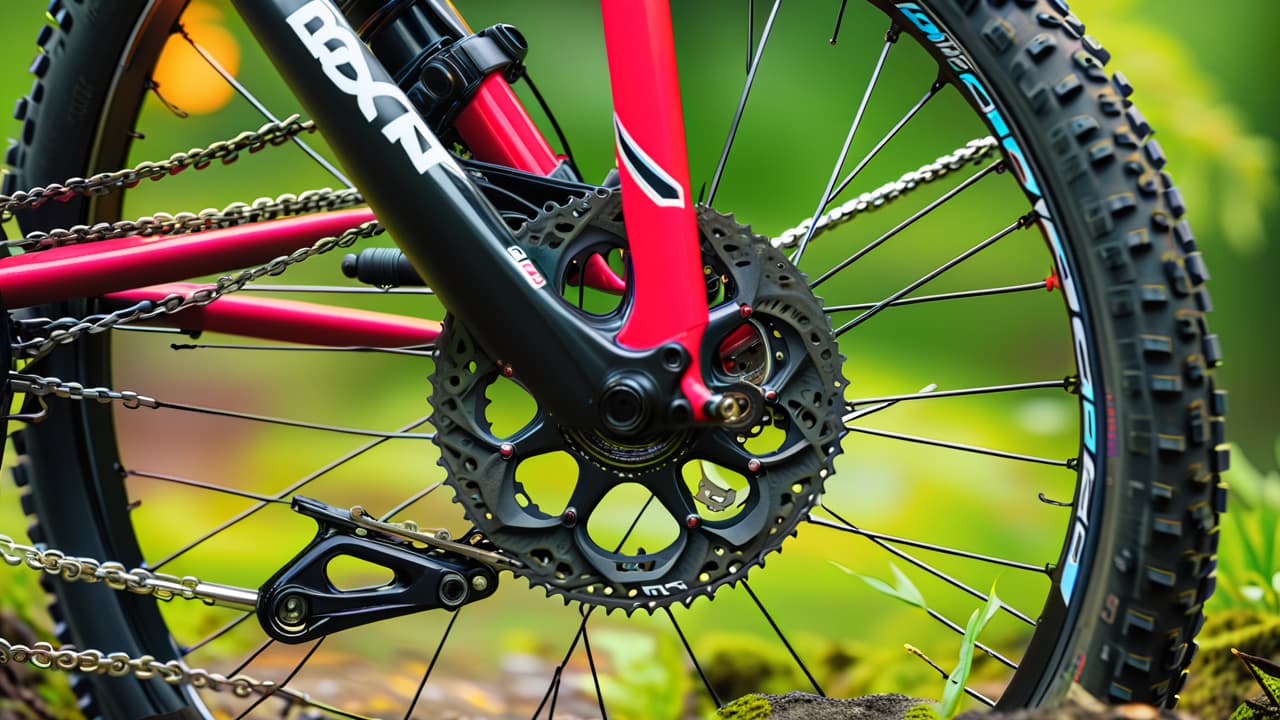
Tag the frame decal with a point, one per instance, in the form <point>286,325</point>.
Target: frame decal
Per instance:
<point>661,188</point>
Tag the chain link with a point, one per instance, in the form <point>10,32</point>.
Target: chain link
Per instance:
<point>138,581</point>
<point>235,214</point>
<point>68,330</point>
<point>974,152</point>
<point>226,151</point>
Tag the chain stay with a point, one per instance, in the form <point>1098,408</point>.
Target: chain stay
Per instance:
<point>975,151</point>
<point>176,302</point>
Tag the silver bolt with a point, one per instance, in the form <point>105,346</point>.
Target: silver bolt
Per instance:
<point>479,583</point>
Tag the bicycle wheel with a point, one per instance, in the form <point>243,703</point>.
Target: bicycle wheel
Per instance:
<point>1107,554</point>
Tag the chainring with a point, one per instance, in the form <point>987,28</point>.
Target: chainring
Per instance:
<point>781,343</point>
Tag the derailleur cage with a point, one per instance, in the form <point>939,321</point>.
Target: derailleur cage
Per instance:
<point>301,603</point>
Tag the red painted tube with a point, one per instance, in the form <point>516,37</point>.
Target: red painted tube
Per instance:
<point>498,130</point>
<point>94,269</point>
<point>662,228</point>
<point>288,320</point>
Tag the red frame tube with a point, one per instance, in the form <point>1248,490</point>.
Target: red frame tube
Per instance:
<point>662,228</point>
<point>288,320</point>
<point>93,269</point>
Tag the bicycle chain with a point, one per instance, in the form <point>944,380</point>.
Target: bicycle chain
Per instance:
<point>176,302</point>
<point>973,152</point>
<point>233,215</point>
<point>227,151</point>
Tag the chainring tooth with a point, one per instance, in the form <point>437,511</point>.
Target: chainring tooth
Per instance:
<point>806,408</point>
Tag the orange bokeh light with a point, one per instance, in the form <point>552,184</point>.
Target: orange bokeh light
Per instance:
<point>183,78</point>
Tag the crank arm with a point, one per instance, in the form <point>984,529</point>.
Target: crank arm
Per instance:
<point>301,603</point>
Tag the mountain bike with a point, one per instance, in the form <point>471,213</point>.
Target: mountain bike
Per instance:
<point>636,394</point>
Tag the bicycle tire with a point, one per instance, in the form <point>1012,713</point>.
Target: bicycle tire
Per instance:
<point>1147,565</point>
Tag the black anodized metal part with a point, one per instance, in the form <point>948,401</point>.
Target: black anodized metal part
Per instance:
<point>301,603</point>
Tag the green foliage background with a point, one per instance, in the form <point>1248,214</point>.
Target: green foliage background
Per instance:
<point>1205,77</point>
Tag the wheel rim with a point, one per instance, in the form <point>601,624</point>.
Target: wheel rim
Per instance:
<point>167,556</point>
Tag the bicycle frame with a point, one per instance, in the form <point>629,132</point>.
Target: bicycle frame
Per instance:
<point>440,219</point>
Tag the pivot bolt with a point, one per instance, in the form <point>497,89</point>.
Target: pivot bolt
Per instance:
<point>479,583</point>
<point>569,518</point>
<point>292,610</point>
<point>453,589</point>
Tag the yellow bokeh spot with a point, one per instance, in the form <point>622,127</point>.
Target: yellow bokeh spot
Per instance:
<point>183,78</point>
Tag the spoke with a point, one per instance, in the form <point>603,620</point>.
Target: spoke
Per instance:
<point>262,109</point>
<point>954,627</point>
<point>751,33</point>
<point>877,407</point>
<point>893,132</point>
<point>929,546</point>
<point>410,501</point>
<point>431,665</point>
<point>553,690</point>
<point>742,102</point>
<point>410,350</point>
<point>990,389</point>
<point>891,37</point>
<point>283,683</point>
<point>296,486</point>
<point>294,423</point>
<point>715,697</point>
<point>835,33</point>
<point>1026,287</point>
<point>946,676</point>
<point>251,657</point>
<point>946,197</point>
<point>595,677</point>
<point>929,277</point>
<point>908,557</point>
<point>204,486</point>
<point>145,329</point>
<point>777,630</point>
<point>217,634</point>
<point>962,447</point>
<point>335,289</point>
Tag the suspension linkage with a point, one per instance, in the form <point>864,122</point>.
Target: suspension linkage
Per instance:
<point>301,602</point>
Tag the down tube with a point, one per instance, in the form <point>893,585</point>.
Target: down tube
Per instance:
<point>449,231</point>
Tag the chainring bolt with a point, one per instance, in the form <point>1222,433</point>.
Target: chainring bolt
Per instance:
<point>507,370</point>
<point>506,450</point>
<point>570,517</point>
<point>753,465</point>
<point>771,396</point>
<point>692,521</point>
<point>745,310</point>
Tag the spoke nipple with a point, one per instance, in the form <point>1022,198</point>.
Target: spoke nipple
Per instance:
<point>744,310</point>
<point>479,583</point>
<point>753,465</point>
<point>1073,463</point>
<point>506,450</point>
<point>570,517</point>
<point>1071,384</point>
<point>692,521</point>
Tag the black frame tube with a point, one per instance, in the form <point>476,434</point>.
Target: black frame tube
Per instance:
<point>446,227</point>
